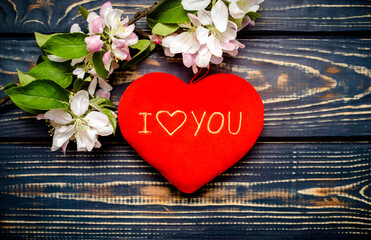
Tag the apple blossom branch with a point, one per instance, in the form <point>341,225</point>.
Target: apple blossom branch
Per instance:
<point>140,14</point>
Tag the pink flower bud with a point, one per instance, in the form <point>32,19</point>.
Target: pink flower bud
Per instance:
<point>94,44</point>
<point>156,39</point>
<point>107,60</point>
<point>97,25</point>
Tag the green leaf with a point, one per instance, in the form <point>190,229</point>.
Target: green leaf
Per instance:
<point>253,15</point>
<point>60,73</point>
<point>141,44</point>
<point>164,29</point>
<point>144,47</point>
<point>99,65</point>
<point>39,95</point>
<point>80,84</point>
<point>42,38</point>
<point>168,11</point>
<point>102,102</point>
<point>84,13</point>
<point>30,110</point>
<point>24,78</point>
<point>67,45</point>
<point>10,85</point>
<point>41,59</point>
<point>152,46</point>
<point>111,117</point>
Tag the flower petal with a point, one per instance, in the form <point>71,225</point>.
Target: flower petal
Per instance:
<point>184,42</point>
<point>105,9</point>
<point>107,60</point>
<point>76,61</point>
<point>123,31</point>
<point>59,116</point>
<point>80,103</point>
<point>86,140</point>
<point>40,116</point>
<point>202,34</point>
<point>97,25</point>
<point>219,15</point>
<point>75,28</point>
<point>214,46</point>
<point>195,4</point>
<point>131,39</point>
<point>94,43</point>
<point>80,72</point>
<point>166,41</point>
<point>121,53</point>
<point>235,11</point>
<point>113,18</point>
<point>168,53</point>
<point>92,16</point>
<point>246,21</point>
<point>106,131</point>
<point>92,86</point>
<point>97,144</point>
<point>103,93</point>
<point>203,57</point>
<point>194,19</point>
<point>203,61</point>
<point>216,60</point>
<point>104,85</point>
<point>64,147</point>
<point>56,58</point>
<point>230,33</point>
<point>99,122</point>
<point>189,59</point>
<point>205,17</point>
<point>62,135</point>
<point>96,119</point>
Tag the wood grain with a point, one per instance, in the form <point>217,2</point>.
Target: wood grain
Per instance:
<point>277,189</point>
<point>284,15</point>
<point>309,61</point>
<point>310,86</point>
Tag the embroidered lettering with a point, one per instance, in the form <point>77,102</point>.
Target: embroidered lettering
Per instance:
<point>171,115</point>
<point>198,123</point>
<point>229,124</point>
<point>221,125</point>
<point>145,114</point>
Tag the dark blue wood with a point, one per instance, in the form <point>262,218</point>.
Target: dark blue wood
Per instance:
<point>20,16</point>
<point>308,177</point>
<point>276,190</point>
<point>310,86</point>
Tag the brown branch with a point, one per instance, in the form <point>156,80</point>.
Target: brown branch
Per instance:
<point>142,33</point>
<point>4,100</point>
<point>138,15</point>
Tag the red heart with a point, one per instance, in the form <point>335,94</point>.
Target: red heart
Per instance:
<point>191,133</point>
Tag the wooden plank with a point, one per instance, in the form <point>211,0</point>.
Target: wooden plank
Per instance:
<point>307,15</point>
<point>276,190</point>
<point>310,86</point>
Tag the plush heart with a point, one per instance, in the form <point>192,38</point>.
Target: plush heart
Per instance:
<point>191,133</point>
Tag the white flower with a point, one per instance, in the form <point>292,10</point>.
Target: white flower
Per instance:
<point>120,34</point>
<point>186,42</point>
<point>202,43</point>
<point>192,5</point>
<point>83,127</point>
<point>239,8</point>
<point>104,90</point>
<point>219,11</point>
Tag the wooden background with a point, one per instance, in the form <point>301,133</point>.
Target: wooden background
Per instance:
<point>308,176</point>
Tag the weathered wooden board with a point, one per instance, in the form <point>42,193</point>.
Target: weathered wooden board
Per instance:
<point>277,189</point>
<point>19,16</point>
<point>310,86</point>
